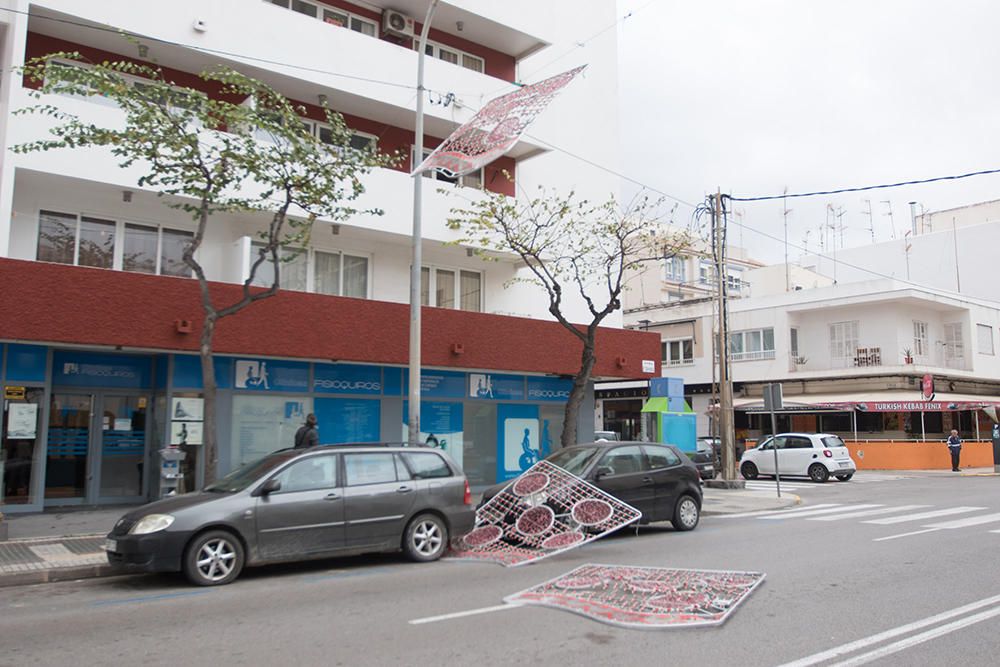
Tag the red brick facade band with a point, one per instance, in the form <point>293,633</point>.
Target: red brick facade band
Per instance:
<point>55,304</point>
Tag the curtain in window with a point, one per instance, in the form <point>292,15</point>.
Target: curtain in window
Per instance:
<point>445,291</point>
<point>355,276</point>
<point>471,285</point>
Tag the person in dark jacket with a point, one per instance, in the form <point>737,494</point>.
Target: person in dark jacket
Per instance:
<point>955,447</point>
<point>307,435</point>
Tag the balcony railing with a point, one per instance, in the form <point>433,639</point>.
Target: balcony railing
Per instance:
<point>759,355</point>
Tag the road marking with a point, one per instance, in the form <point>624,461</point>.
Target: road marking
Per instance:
<point>969,521</point>
<point>909,642</point>
<point>916,532</point>
<point>149,598</point>
<point>461,614</point>
<point>742,515</point>
<point>923,515</point>
<point>816,512</point>
<point>851,647</point>
<point>884,510</point>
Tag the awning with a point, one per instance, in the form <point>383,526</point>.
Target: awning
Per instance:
<point>875,401</point>
<point>656,404</point>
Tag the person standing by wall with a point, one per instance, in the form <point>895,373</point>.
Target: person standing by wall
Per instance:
<point>307,435</point>
<point>955,447</point>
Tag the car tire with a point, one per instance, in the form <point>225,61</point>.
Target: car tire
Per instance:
<point>818,473</point>
<point>425,538</point>
<point>686,513</point>
<point>748,470</point>
<point>844,478</point>
<point>213,558</point>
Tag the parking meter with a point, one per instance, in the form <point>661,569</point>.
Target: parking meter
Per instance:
<point>170,470</point>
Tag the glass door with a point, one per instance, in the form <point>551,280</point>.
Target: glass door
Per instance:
<point>122,438</point>
<point>66,467</point>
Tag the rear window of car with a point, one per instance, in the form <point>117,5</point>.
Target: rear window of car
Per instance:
<point>427,465</point>
<point>833,441</point>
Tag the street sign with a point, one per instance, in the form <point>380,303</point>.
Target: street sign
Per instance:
<point>772,397</point>
<point>14,393</point>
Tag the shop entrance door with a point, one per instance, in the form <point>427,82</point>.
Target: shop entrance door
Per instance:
<point>97,449</point>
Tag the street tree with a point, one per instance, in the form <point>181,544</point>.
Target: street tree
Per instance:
<point>243,149</point>
<point>571,248</point>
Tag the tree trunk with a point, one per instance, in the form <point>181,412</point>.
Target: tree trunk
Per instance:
<point>576,395</point>
<point>210,446</point>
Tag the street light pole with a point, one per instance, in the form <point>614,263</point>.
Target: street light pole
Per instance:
<point>417,259</point>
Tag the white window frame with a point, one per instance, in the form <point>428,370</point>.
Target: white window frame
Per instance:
<point>667,351</point>
<point>921,338</point>
<point>352,18</point>
<point>844,339</point>
<point>984,339</point>
<point>675,269</point>
<point>746,354</point>
<point>316,126</point>
<point>310,254</point>
<point>432,286</point>
<point>462,181</point>
<point>434,51</point>
<point>706,272</point>
<point>734,279</point>
<point>954,346</point>
<point>118,253</point>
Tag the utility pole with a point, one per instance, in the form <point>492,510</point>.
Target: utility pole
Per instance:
<point>726,434</point>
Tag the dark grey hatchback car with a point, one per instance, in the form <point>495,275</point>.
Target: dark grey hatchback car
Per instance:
<point>299,504</point>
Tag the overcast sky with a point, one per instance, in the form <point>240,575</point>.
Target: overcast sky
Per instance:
<point>757,95</point>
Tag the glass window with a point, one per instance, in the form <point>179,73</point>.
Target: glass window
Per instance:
<point>753,341</point>
<point>574,460</point>
<point>249,473</point>
<point>362,26</point>
<point>796,442</point>
<point>56,237</point>
<point>97,243</point>
<point>793,341</point>
<point>355,276</point>
<point>362,142</point>
<point>919,338</point>
<point>294,265</point>
<point>472,62</point>
<point>327,273</point>
<point>843,339</point>
<point>369,469</point>
<point>335,18</point>
<point>833,441</point>
<point>305,8</point>
<point>172,249</point>
<point>316,472</point>
<point>445,288</point>
<point>624,460</point>
<point>448,56</point>
<point>471,291</point>
<point>985,337</point>
<point>661,457</point>
<point>139,253</point>
<point>426,465</point>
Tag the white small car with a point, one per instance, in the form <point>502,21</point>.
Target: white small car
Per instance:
<point>813,455</point>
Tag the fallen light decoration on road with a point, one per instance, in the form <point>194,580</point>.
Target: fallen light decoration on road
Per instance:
<point>544,512</point>
<point>644,597</point>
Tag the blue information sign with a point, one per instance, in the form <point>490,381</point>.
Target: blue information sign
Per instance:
<point>347,379</point>
<point>549,389</point>
<point>92,369</point>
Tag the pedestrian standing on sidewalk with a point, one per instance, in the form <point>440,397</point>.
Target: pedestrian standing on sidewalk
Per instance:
<point>955,447</point>
<point>307,435</point>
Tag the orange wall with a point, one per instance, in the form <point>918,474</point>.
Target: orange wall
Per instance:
<point>888,455</point>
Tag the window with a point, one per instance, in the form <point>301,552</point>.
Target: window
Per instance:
<point>451,288</point>
<point>67,238</point>
<point>677,352</point>
<point>705,272</point>
<point>453,56</point>
<point>427,465</point>
<point>329,15</point>
<point>317,472</point>
<point>661,457</point>
<point>843,339</point>
<point>473,180</point>
<point>174,98</point>
<point>369,469</point>
<point>793,342</point>
<point>734,279</point>
<point>984,335</point>
<point>624,460</point>
<point>675,269</point>
<point>919,338</point>
<point>751,345</point>
<point>294,268</point>
<point>321,271</point>
<point>361,141</point>
<point>954,347</point>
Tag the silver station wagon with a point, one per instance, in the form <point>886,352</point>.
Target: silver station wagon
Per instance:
<point>298,504</point>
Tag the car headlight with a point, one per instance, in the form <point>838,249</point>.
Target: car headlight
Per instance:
<point>151,523</point>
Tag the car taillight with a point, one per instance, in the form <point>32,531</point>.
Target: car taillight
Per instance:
<point>827,453</point>
<point>468,494</point>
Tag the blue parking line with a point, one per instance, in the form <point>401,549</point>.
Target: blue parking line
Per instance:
<point>148,598</point>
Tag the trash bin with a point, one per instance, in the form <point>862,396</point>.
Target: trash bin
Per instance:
<point>170,470</point>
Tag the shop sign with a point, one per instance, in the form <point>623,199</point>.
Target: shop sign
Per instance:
<point>347,379</point>
<point>262,375</point>
<point>14,393</point>
<point>83,369</point>
<point>499,387</point>
<point>549,389</point>
<point>909,406</point>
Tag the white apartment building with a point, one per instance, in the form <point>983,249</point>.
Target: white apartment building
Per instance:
<point>102,344</point>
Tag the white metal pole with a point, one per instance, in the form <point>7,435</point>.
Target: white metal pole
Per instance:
<point>417,259</point>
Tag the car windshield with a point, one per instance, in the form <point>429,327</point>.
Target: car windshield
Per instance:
<point>833,441</point>
<point>574,459</point>
<point>246,475</point>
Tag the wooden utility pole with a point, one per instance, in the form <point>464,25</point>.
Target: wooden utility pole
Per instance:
<point>726,433</point>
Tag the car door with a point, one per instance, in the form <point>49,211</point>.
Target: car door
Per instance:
<point>378,496</point>
<point>306,514</point>
<point>796,456</point>
<point>624,473</point>
<point>667,472</point>
<point>765,455</point>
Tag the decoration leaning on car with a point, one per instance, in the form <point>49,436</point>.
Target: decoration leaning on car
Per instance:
<point>299,504</point>
<point>815,455</point>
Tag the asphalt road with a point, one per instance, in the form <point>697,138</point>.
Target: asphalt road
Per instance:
<point>832,586</point>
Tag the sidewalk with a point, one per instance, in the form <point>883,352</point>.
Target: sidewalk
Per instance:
<point>69,544</point>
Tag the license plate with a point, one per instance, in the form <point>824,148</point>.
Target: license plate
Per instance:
<point>110,545</point>
<point>843,464</point>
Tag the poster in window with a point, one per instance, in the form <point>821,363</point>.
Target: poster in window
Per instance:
<point>188,409</point>
<point>185,433</point>
<point>22,421</point>
<point>441,426</point>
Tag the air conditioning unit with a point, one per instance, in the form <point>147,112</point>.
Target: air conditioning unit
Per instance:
<point>397,23</point>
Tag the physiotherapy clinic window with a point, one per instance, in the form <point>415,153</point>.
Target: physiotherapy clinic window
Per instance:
<point>81,240</point>
<point>451,288</point>
<point>321,271</point>
<point>330,15</point>
<point>452,55</point>
<point>752,345</point>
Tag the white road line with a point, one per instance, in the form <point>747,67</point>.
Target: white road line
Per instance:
<point>909,642</point>
<point>884,510</point>
<point>964,523</point>
<point>816,512</point>
<point>896,537</point>
<point>743,515</point>
<point>460,614</point>
<point>851,647</point>
<point>923,515</point>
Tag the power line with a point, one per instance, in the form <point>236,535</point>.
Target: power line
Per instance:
<point>865,188</point>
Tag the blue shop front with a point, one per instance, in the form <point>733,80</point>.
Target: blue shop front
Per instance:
<point>82,427</point>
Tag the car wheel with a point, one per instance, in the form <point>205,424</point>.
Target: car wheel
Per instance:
<point>748,470</point>
<point>818,473</point>
<point>213,558</point>
<point>686,514</point>
<point>426,538</point>
<point>844,478</point>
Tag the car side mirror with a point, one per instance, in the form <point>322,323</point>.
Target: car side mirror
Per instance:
<point>603,471</point>
<point>270,486</point>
